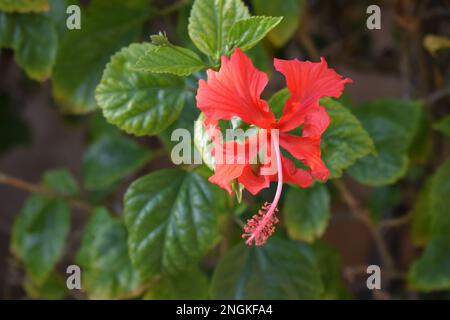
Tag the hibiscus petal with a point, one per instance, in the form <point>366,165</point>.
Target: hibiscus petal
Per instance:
<point>307,82</point>
<point>295,175</point>
<point>235,91</point>
<point>308,151</point>
<point>252,182</point>
<point>316,122</point>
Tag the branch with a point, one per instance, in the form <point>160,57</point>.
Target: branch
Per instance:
<point>42,190</point>
<point>363,216</point>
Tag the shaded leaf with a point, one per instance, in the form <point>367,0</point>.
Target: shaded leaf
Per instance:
<point>110,159</point>
<point>306,212</point>
<point>443,126</point>
<point>24,5</point>
<point>107,26</point>
<point>288,9</point>
<point>103,257</point>
<point>392,124</point>
<point>277,270</point>
<point>187,285</point>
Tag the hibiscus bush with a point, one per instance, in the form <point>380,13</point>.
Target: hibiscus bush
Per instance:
<point>201,179</point>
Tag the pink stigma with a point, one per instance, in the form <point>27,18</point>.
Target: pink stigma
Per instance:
<point>261,226</point>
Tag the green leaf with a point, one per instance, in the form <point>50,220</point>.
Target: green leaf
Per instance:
<point>278,100</point>
<point>138,102</point>
<point>171,222</point>
<point>392,124</point>
<point>186,285</point>
<point>288,9</point>
<point>24,5</point>
<point>328,262</point>
<point>440,201</point>
<point>345,140</point>
<point>169,58</point>
<point>106,27</point>
<point>443,126</point>
<point>186,121</point>
<point>53,288</point>
<point>245,34</point>
<point>110,159</point>
<point>277,270</point>
<point>103,257</point>
<point>422,217</point>
<point>34,40</point>
<point>307,212</point>
<point>210,22</point>
<point>39,234</point>
<point>430,272</point>
<point>60,180</point>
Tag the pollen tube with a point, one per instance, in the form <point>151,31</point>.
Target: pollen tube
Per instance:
<point>261,225</point>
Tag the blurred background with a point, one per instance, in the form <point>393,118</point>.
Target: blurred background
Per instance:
<point>403,59</point>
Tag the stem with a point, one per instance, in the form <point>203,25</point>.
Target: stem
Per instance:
<point>363,216</point>
<point>42,190</point>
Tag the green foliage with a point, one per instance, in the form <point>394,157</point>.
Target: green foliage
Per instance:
<point>307,212</point>
<point>107,26</point>
<point>430,271</point>
<point>392,124</point>
<point>245,34</point>
<point>39,234</point>
<point>53,288</point>
<point>61,181</point>
<point>33,38</point>
<point>345,140</point>
<point>103,257</point>
<point>443,126</point>
<point>277,270</point>
<point>186,285</point>
<point>138,102</point>
<point>168,58</point>
<point>210,23</point>
<point>288,9</point>
<point>171,221</point>
<point>24,5</point>
<point>110,159</point>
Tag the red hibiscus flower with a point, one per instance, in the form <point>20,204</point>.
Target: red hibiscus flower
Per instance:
<point>234,91</point>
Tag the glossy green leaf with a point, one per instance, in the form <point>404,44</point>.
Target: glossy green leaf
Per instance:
<point>392,124</point>
<point>345,140</point>
<point>277,270</point>
<point>288,9</point>
<point>210,22</point>
<point>443,126</point>
<point>139,103</point>
<point>110,159</point>
<point>431,271</point>
<point>187,285</point>
<point>171,222</point>
<point>39,234</point>
<point>61,180</point>
<point>24,5</point>
<point>168,58</point>
<point>33,38</point>
<point>306,212</point>
<point>245,34</point>
<point>107,271</point>
<point>106,27</point>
